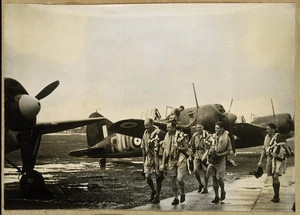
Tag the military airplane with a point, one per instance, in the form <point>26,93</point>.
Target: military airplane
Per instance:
<point>248,133</point>
<point>123,138</point>
<point>102,143</point>
<point>22,131</point>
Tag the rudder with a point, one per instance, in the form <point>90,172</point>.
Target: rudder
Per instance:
<point>98,131</point>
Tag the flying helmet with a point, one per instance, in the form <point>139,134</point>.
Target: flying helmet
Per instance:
<point>259,172</point>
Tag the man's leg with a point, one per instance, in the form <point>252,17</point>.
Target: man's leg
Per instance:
<point>159,179</point>
<point>150,183</point>
<point>197,173</point>
<point>181,172</point>
<point>205,183</point>
<point>174,190</point>
<point>222,186</point>
<point>216,190</point>
<point>181,185</point>
<point>276,188</point>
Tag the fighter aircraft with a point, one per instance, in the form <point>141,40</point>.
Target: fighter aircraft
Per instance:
<point>208,115</point>
<point>252,134</point>
<point>123,138</point>
<point>22,131</point>
<point>102,143</point>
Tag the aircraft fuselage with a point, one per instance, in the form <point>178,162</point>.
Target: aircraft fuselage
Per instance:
<point>206,114</point>
<point>283,122</point>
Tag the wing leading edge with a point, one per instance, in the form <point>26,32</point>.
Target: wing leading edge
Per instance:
<point>53,127</point>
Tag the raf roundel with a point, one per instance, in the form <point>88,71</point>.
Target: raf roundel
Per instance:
<point>128,125</point>
<point>137,142</point>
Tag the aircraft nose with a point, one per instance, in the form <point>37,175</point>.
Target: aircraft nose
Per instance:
<point>29,106</point>
<point>231,117</point>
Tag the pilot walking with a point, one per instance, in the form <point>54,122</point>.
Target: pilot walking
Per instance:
<point>199,146</point>
<point>175,157</point>
<point>152,157</point>
<point>220,148</point>
<point>273,148</point>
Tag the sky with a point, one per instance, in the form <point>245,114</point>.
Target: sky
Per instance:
<point>123,60</point>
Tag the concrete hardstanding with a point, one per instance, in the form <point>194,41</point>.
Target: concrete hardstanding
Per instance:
<point>243,195</point>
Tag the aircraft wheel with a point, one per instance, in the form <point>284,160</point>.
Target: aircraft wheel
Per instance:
<point>102,162</point>
<point>32,188</point>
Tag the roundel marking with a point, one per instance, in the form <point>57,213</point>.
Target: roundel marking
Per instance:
<point>128,124</point>
<point>137,141</point>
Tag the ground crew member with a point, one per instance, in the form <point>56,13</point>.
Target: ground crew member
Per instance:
<point>175,157</point>
<point>199,146</point>
<point>151,160</point>
<point>220,148</point>
<point>175,115</point>
<point>273,148</point>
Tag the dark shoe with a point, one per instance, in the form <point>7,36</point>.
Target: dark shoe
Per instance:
<point>276,199</point>
<point>223,195</point>
<point>273,199</point>
<point>200,188</point>
<point>152,195</point>
<point>182,198</point>
<point>156,200</point>
<point>216,200</point>
<point>204,191</point>
<point>175,202</point>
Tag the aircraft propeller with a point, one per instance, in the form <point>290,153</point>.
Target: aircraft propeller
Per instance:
<point>230,105</point>
<point>47,90</point>
<point>21,110</point>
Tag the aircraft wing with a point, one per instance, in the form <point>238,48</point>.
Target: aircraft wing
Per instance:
<point>130,127</point>
<point>134,127</point>
<point>53,127</point>
<point>247,130</point>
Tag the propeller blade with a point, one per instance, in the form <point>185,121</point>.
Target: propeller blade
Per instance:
<point>47,90</point>
<point>230,105</point>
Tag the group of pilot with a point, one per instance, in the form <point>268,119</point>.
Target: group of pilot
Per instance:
<point>173,153</point>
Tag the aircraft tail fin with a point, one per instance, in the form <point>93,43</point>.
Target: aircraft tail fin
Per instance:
<point>98,131</point>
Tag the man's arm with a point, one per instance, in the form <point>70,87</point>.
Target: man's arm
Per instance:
<point>228,149</point>
<point>143,150</point>
<point>192,144</point>
<point>263,152</point>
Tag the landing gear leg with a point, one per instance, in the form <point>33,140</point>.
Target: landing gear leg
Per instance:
<point>102,162</point>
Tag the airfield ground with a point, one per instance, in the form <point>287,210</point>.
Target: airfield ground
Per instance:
<point>80,183</point>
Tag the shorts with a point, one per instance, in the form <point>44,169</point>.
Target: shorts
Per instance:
<point>178,169</point>
<point>149,167</point>
<point>199,166</point>
<point>218,169</point>
<point>274,166</point>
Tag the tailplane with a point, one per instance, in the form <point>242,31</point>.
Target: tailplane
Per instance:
<point>98,131</point>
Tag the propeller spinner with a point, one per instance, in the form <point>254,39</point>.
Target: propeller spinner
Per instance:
<point>29,106</point>
<point>21,109</point>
